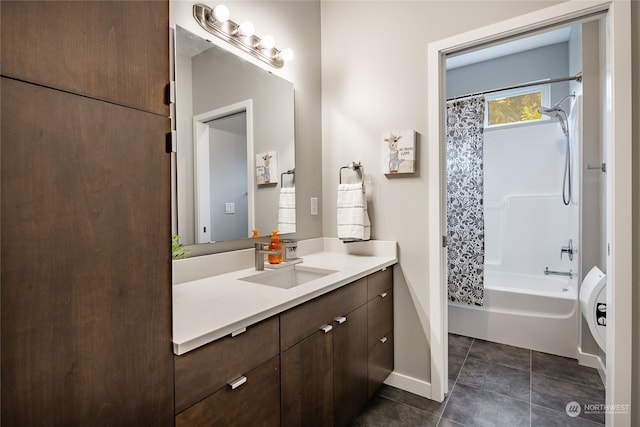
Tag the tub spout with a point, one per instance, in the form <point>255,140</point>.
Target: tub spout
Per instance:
<point>548,272</point>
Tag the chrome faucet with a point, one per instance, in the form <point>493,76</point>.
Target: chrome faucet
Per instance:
<point>569,249</point>
<point>261,250</point>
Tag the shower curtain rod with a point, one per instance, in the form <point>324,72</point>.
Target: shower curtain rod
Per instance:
<point>577,77</point>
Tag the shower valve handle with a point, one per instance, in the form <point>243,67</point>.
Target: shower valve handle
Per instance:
<point>569,250</point>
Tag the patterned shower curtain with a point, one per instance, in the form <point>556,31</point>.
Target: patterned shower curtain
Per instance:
<point>465,215</point>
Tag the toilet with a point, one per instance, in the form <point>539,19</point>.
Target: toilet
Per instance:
<point>593,302</point>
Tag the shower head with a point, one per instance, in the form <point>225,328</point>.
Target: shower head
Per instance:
<point>558,113</point>
<point>551,112</point>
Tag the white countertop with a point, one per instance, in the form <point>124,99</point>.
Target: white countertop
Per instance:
<point>212,307</point>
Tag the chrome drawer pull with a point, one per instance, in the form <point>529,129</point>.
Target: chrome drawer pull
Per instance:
<point>340,319</point>
<point>382,295</point>
<point>326,328</point>
<point>383,340</point>
<point>238,332</point>
<point>237,383</point>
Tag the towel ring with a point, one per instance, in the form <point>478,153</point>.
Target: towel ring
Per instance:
<point>289,172</point>
<point>356,167</point>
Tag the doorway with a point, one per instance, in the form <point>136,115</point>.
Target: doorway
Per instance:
<point>224,202</point>
<point>618,129</point>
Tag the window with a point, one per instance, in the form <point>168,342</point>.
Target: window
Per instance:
<point>515,105</point>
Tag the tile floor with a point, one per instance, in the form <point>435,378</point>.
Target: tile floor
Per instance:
<point>495,385</point>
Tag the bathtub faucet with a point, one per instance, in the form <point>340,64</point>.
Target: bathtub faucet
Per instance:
<point>547,272</point>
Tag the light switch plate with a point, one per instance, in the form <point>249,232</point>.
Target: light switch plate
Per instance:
<point>229,208</point>
<point>314,206</point>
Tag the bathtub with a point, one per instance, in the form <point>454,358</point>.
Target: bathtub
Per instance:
<point>537,312</point>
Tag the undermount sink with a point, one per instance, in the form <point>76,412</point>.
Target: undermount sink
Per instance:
<point>288,277</point>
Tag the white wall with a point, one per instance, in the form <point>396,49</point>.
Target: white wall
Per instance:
<point>526,222</point>
<point>374,79</point>
<point>183,200</point>
<point>535,64</point>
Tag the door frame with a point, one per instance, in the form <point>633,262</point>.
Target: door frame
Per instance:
<point>202,190</point>
<point>619,172</point>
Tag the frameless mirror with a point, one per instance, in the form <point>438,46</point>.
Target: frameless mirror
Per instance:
<point>235,130</point>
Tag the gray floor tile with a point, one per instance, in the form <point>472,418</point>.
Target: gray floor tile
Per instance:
<point>455,364</point>
<point>544,417</point>
<point>383,412</point>
<point>565,369</point>
<point>459,344</point>
<point>473,407</point>
<point>448,423</point>
<point>402,396</point>
<point>514,357</point>
<point>495,385</point>
<point>554,393</point>
<point>496,378</point>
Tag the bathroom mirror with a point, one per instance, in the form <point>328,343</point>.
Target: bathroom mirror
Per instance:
<point>235,137</point>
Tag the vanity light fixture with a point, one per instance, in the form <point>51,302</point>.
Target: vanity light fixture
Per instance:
<point>216,21</point>
<point>246,29</point>
<point>221,13</point>
<point>286,55</point>
<point>267,42</point>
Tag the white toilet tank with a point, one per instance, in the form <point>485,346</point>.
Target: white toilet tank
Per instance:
<point>593,304</point>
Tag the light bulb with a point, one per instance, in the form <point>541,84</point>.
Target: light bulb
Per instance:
<point>267,42</point>
<point>286,55</point>
<point>246,29</point>
<point>221,13</point>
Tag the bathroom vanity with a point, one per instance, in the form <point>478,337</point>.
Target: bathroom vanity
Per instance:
<point>313,353</point>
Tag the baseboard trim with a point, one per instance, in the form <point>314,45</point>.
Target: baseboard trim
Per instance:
<point>410,384</point>
<point>592,361</point>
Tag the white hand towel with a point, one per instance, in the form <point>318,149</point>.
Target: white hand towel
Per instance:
<point>287,210</point>
<point>353,218</point>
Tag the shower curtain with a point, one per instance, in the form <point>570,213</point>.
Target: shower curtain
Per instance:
<point>465,215</point>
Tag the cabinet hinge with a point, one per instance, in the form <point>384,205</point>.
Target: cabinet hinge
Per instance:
<point>171,92</point>
<point>172,142</point>
<point>444,241</point>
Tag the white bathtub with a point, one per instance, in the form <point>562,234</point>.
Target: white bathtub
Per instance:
<point>535,312</point>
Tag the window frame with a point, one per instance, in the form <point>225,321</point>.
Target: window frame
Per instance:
<point>545,98</point>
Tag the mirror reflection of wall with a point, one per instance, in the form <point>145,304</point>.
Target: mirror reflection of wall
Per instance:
<point>208,79</point>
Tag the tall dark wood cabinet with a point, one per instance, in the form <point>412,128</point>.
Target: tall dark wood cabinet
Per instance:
<point>85,280</point>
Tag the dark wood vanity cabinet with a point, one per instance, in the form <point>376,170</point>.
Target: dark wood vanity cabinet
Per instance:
<point>350,366</point>
<point>323,345</point>
<point>313,365</point>
<point>324,353</point>
<point>324,377</point>
<point>380,328</point>
<point>232,381</point>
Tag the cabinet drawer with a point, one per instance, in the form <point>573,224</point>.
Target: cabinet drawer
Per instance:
<point>380,316</point>
<point>380,282</point>
<point>304,320</point>
<point>380,362</point>
<point>209,368</point>
<point>254,403</point>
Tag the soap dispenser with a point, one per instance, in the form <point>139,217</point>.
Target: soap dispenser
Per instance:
<point>275,245</point>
